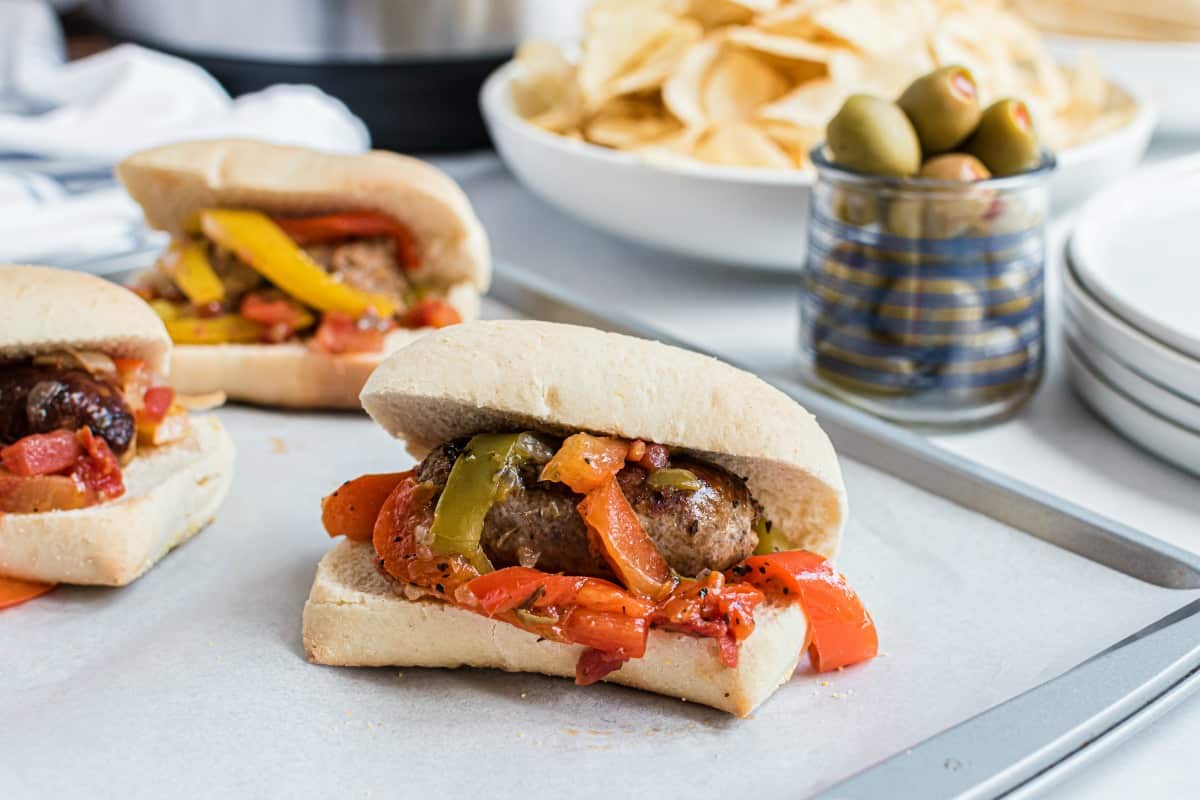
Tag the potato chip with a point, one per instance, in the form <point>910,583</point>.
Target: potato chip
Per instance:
<point>810,105</point>
<point>659,62</point>
<point>617,46</point>
<point>738,84</point>
<point>629,122</point>
<point>545,91</point>
<point>741,144</point>
<point>885,76</point>
<point>794,19</point>
<point>875,28</point>
<point>787,47</point>
<point>682,91</point>
<point>795,140</point>
<point>715,13</point>
<point>600,12</point>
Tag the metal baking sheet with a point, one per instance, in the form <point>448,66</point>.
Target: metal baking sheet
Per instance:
<point>193,682</point>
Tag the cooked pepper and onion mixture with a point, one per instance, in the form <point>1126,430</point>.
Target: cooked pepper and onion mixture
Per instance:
<point>70,420</point>
<point>343,279</point>
<point>595,541</point>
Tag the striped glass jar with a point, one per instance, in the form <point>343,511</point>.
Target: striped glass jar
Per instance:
<point>923,300</point>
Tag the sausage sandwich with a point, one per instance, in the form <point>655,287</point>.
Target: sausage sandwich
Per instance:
<point>589,505</point>
<point>102,467</point>
<point>291,273</point>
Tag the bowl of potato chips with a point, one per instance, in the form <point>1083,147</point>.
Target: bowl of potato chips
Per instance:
<point>686,124</point>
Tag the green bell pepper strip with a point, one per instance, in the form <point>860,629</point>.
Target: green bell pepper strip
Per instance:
<point>770,540</point>
<point>476,481</point>
<point>674,478</point>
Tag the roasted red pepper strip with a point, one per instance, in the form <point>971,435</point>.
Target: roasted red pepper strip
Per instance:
<point>401,555</point>
<point>627,548</point>
<point>339,333</point>
<point>98,468</point>
<point>156,402</point>
<point>516,587</point>
<point>430,313</point>
<point>585,462</point>
<point>354,506</point>
<point>840,631</point>
<point>347,224</point>
<point>42,453</point>
<point>13,591</point>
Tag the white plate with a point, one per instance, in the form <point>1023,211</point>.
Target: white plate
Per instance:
<point>1148,356</point>
<point>1134,249</point>
<point>735,215</point>
<point>1165,439</point>
<point>1162,72</point>
<point>1155,397</point>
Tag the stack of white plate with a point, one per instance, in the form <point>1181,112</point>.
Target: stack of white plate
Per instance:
<point>1132,303</point>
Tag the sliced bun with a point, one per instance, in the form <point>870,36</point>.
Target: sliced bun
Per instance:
<point>519,374</point>
<point>354,618</point>
<point>174,181</point>
<point>170,493</point>
<point>292,375</point>
<point>46,309</point>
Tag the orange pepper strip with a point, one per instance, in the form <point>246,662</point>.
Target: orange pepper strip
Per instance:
<point>585,462</point>
<point>840,631</point>
<point>626,546</point>
<point>13,591</point>
<point>352,508</point>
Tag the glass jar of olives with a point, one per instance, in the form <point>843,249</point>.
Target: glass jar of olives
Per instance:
<point>923,297</point>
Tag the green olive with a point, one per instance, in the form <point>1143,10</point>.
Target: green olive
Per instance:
<point>954,167</point>
<point>943,107</point>
<point>1011,289</point>
<point>854,206</point>
<point>921,312</point>
<point>905,216</point>
<point>873,136</point>
<point>1005,140</point>
<point>856,358</point>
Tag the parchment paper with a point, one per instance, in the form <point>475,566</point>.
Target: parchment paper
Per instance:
<point>192,681</point>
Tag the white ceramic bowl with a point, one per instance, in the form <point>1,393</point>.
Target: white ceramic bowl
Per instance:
<point>1165,73</point>
<point>733,215</point>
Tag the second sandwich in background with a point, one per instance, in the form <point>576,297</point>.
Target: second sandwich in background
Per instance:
<point>292,273</point>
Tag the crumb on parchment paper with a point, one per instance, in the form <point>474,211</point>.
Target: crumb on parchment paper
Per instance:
<point>278,446</point>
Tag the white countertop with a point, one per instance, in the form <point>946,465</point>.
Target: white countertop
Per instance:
<point>1055,443</point>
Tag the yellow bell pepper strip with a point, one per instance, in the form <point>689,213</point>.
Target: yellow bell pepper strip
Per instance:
<point>476,480</point>
<point>222,329</point>
<point>167,310</point>
<point>269,251</point>
<point>187,264</point>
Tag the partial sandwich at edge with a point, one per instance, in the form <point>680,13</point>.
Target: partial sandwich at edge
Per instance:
<point>103,469</point>
<point>589,505</point>
<point>292,273</point>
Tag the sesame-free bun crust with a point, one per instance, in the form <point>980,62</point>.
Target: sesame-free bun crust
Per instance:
<point>174,181</point>
<point>44,309</point>
<point>563,378</point>
<point>293,375</point>
<point>171,493</point>
<point>354,617</point>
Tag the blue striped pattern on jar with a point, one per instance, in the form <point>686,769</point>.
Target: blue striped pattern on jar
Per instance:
<point>908,293</point>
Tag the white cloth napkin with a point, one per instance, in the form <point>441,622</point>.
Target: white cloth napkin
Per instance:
<point>59,202</point>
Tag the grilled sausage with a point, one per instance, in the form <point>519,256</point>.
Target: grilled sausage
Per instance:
<point>537,524</point>
<point>37,399</point>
